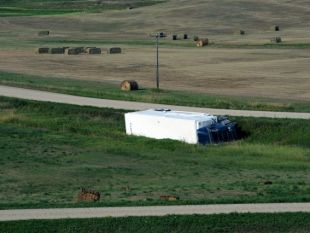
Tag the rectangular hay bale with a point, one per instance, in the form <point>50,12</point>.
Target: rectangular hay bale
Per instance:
<point>56,50</point>
<point>72,51</point>
<point>42,50</point>
<point>43,33</point>
<point>276,39</point>
<point>115,50</point>
<point>93,50</point>
<point>80,49</point>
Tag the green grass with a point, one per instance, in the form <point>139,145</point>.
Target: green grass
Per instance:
<point>129,42</point>
<point>17,11</point>
<point>148,41</point>
<point>169,43</point>
<point>56,7</point>
<point>109,91</point>
<point>254,223</point>
<point>49,151</point>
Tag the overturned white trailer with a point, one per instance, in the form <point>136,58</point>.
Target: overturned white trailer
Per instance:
<point>189,127</point>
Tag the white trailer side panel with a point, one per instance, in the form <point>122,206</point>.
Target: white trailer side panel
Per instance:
<point>161,127</point>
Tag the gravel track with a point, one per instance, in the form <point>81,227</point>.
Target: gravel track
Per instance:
<point>61,213</point>
<point>130,105</point>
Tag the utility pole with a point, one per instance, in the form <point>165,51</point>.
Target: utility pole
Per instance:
<point>157,61</point>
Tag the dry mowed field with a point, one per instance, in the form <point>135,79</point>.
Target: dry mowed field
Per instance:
<point>281,73</point>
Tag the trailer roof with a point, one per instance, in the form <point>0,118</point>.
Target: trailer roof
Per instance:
<point>176,114</point>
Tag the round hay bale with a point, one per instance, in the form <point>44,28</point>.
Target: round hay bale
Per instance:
<point>242,32</point>
<point>169,197</point>
<point>202,42</point>
<point>88,195</point>
<point>277,28</point>
<point>174,37</point>
<point>129,85</point>
<point>196,38</point>
<point>185,36</point>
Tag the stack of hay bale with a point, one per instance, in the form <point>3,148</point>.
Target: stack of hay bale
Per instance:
<point>69,50</point>
<point>77,50</point>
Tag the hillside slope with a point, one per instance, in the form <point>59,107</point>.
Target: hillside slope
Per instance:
<point>203,17</point>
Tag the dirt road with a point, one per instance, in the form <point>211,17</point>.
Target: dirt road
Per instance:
<point>86,101</point>
<point>25,214</point>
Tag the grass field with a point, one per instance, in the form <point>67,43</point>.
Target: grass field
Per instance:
<point>56,7</point>
<point>233,65</point>
<point>49,151</point>
<point>165,42</point>
<point>254,223</point>
<point>245,73</point>
<point>112,91</point>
